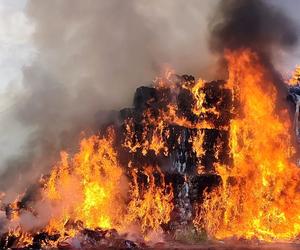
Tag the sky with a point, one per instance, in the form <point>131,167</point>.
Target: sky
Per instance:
<point>17,50</point>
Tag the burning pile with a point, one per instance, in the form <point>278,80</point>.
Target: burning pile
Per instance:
<point>213,154</point>
<point>216,157</point>
<point>136,175</point>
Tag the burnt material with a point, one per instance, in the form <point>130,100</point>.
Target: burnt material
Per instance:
<point>180,163</point>
<point>178,138</point>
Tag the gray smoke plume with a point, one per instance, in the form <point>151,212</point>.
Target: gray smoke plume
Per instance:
<point>254,24</point>
<point>91,55</point>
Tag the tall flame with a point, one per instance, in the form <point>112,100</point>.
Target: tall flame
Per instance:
<point>87,187</point>
<point>91,189</point>
<point>260,193</point>
<point>151,205</point>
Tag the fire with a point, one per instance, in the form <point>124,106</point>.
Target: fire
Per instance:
<point>150,204</point>
<point>232,129</point>
<point>24,238</point>
<point>164,112</point>
<point>259,196</point>
<point>199,95</point>
<point>87,188</point>
<point>153,137</point>
<point>295,79</point>
<point>90,191</point>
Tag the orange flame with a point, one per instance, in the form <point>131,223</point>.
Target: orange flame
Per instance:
<point>87,188</point>
<point>151,205</point>
<point>295,79</point>
<point>259,196</point>
<point>153,137</point>
<point>91,189</point>
<point>156,127</point>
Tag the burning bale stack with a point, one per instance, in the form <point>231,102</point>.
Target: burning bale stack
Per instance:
<point>170,140</point>
<point>170,120</point>
<point>181,125</point>
<point>184,156</point>
<point>214,157</point>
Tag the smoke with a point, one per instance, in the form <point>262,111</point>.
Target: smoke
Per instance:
<point>256,25</point>
<point>91,55</point>
<point>251,24</point>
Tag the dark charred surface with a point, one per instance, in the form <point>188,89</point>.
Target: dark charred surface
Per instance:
<point>153,100</point>
<point>188,186</point>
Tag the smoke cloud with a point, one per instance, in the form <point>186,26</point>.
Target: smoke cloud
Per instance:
<point>251,24</point>
<point>91,55</point>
